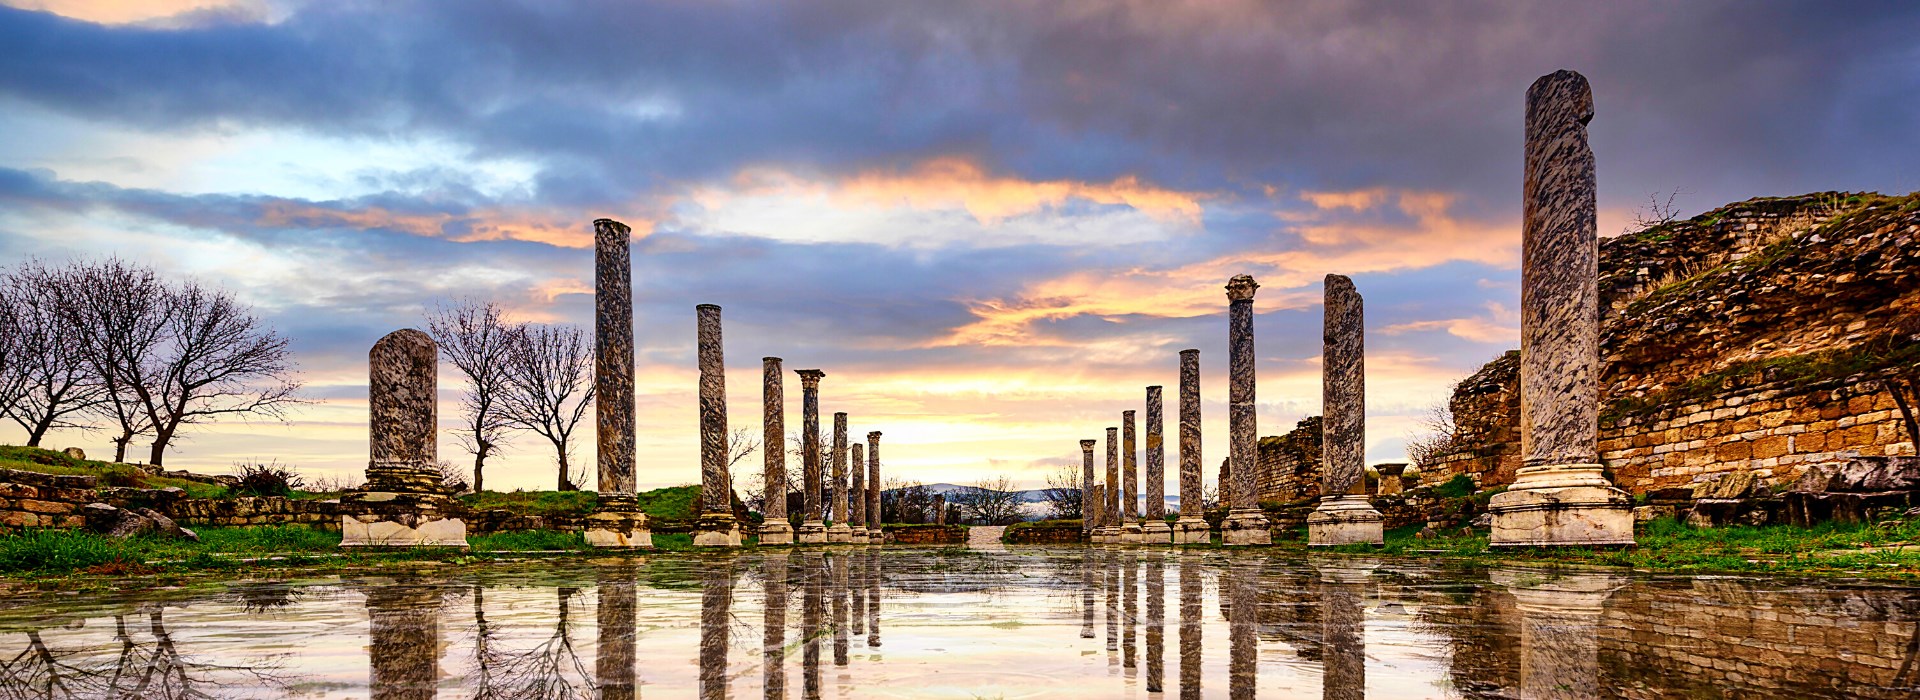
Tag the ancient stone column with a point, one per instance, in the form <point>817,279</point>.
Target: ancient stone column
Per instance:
<point>1099,533</point>
<point>1240,589</point>
<point>774,529</point>
<point>1129,482</point>
<point>842,640</point>
<point>1390,477</point>
<point>840,532</point>
<point>1110,505</point>
<point>1245,523</point>
<point>1345,515</point>
<point>402,504</point>
<point>1343,642</point>
<point>1129,610</point>
<point>813,614</point>
<point>873,605</point>
<point>813,530</point>
<point>1559,497</point>
<point>1087,503</point>
<point>1153,525</point>
<point>857,493</point>
<point>875,535</point>
<point>617,521</point>
<point>716,526</point>
<point>1192,526</point>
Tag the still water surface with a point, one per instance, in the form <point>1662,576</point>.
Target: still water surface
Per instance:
<point>1022,623</point>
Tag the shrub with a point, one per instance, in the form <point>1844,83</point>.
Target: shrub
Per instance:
<point>269,479</point>
<point>1459,486</point>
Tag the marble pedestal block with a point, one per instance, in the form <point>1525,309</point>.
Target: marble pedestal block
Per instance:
<point>1192,531</point>
<point>1130,533</point>
<point>387,519</point>
<point>857,535</point>
<point>1348,519</point>
<point>811,532</point>
<point>1106,535</point>
<point>617,523</point>
<point>1561,505</point>
<point>839,533</point>
<point>776,532</point>
<point>1245,526</point>
<point>1156,532</point>
<point>716,530</point>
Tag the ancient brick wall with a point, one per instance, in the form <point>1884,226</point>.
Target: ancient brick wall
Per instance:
<point>925,534</point>
<point>33,500</point>
<point>1291,464</point>
<point>246,511</point>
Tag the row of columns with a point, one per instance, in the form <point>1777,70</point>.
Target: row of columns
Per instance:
<point>855,470</point>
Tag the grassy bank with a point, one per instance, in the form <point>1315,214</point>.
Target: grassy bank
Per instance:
<point>34,459</point>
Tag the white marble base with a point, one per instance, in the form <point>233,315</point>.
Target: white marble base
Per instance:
<point>776,532</point>
<point>1156,532</point>
<point>1130,533</point>
<point>618,530</point>
<point>1106,535</point>
<point>717,538</point>
<point>1348,519</point>
<point>811,532</point>
<point>1245,526</point>
<point>839,533</point>
<point>1568,505</point>
<point>380,530</point>
<point>1192,531</point>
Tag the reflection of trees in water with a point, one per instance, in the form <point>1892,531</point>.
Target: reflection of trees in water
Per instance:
<point>550,670</point>
<point>150,668</point>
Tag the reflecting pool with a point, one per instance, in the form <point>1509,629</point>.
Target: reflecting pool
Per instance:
<point>1022,623</point>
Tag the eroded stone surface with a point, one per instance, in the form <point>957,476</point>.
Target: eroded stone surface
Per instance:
<point>1153,524</point>
<point>874,534</point>
<point>1087,502</point>
<point>773,411</point>
<point>1245,524</point>
<point>857,491</point>
<point>840,532</point>
<point>1129,481</point>
<point>402,371</point>
<point>613,355</point>
<point>1343,516</point>
<point>1191,528</point>
<point>716,526</point>
<point>813,530</point>
<point>390,530</point>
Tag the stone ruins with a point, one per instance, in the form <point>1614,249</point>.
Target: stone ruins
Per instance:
<point>1345,516</point>
<point>617,521</point>
<point>402,503</point>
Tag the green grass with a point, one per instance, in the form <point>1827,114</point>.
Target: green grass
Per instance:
<point>34,459</point>
<point>671,503</point>
<point>541,503</point>
<point>1457,487</point>
<point>528,541</point>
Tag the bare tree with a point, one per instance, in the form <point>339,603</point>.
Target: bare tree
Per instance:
<point>905,502</point>
<point>219,359</point>
<point>47,384</point>
<point>990,501</point>
<point>11,375</point>
<point>120,313</point>
<point>1658,212</point>
<point>1063,492</point>
<point>478,341</point>
<point>549,388</point>
<point>1435,438</point>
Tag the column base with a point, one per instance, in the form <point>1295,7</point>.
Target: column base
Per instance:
<point>811,532</point>
<point>1155,531</point>
<point>776,532</point>
<point>858,535</point>
<point>1348,519</point>
<point>716,530</point>
<point>839,533</point>
<point>1192,531</point>
<point>1103,535</point>
<point>1568,505</point>
<point>389,519</point>
<point>1130,533</point>
<point>876,536</point>
<point>1245,526</point>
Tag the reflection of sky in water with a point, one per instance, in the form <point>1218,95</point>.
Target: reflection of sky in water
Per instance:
<point>985,624</point>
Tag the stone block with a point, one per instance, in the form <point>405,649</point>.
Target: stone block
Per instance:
<point>45,507</point>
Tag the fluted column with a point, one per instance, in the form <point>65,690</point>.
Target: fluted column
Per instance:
<point>875,535</point>
<point>1560,497</point>
<point>1192,527</point>
<point>813,529</point>
<point>617,522</point>
<point>1245,524</point>
<point>840,532</point>
<point>716,526</point>
<point>1345,515</point>
<point>773,437</point>
<point>1153,525</point>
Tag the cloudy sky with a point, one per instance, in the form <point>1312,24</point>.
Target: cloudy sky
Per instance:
<point>992,224</point>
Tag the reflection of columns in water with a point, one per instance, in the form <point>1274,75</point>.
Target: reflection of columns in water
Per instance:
<point>1343,643</point>
<point>1156,620</point>
<point>773,645</point>
<point>840,621</point>
<point>812,615</point>
<point>873,603</point>
<point>716,599</point>
<point>403,633</point>
<point>1560,618</point>
<point>1243,623</point>
<point>613,644</point>
<point>1087,584</point>
<point>1190,607</point>
<point>857,583</point>
<point>1111,572</point>
<point>1130,613</point>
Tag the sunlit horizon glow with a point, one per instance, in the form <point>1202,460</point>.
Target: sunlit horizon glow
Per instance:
<point>992,227</point>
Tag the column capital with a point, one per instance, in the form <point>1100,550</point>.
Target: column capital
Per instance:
<point>810,378</point>
<point>1241,288</point>
<point>873,435</point>
<point>1087,445</point>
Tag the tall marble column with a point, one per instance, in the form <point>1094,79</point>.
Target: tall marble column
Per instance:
<point>875,535</point>
<point>1087,503</point>
<point>774,529</point>
<point>1560,497</point>
<point>1110,505</point>
<point>813,529</point>
<point>840,532</point>
<point>1245,523</point>
<point>402,504</point>
<point>1192,527</point>
<point>773,626</point>
<point>1099,534</point>
<point>1153,524</point>
<point>1345,515</point>
<point>1129,481</point>
<point>857,493</point>
<point>716,526</point>
<point>617,521</point>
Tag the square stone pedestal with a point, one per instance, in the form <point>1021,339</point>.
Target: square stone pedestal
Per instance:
<point>1192,531</point>
<point>1348,519</point>
<point>1245,526</point>
<point>776,532</point>
<point>618,529</point>
<point>1130,533</point>
<point>858,536</point>
<point>716,530</point>
<point>1106,534</point>
<point>1561,506</point>
<point>1155,532</point>
<point>839,533</point>
<point>389,519</point>
<point>811,532</point>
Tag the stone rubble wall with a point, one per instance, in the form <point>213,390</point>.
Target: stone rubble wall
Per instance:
<point>34,500</point>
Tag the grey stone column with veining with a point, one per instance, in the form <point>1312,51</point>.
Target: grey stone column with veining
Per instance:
<point>1344,515</point>
<point>813,529</point>
<point>840,531</point>
<point>1245,523</point>
<point>402,382</point>
<point>775,529</point>
<point>875,534</point>
<point>1110,513</point>
<point>613,361</point>
<point>1192,528</point>
<point>716,526</point>
<point>1560,495</point>
<point>857,491</point>
<point>1087,505</point>
<point>1153,525</point>
<point>1129,481</point>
